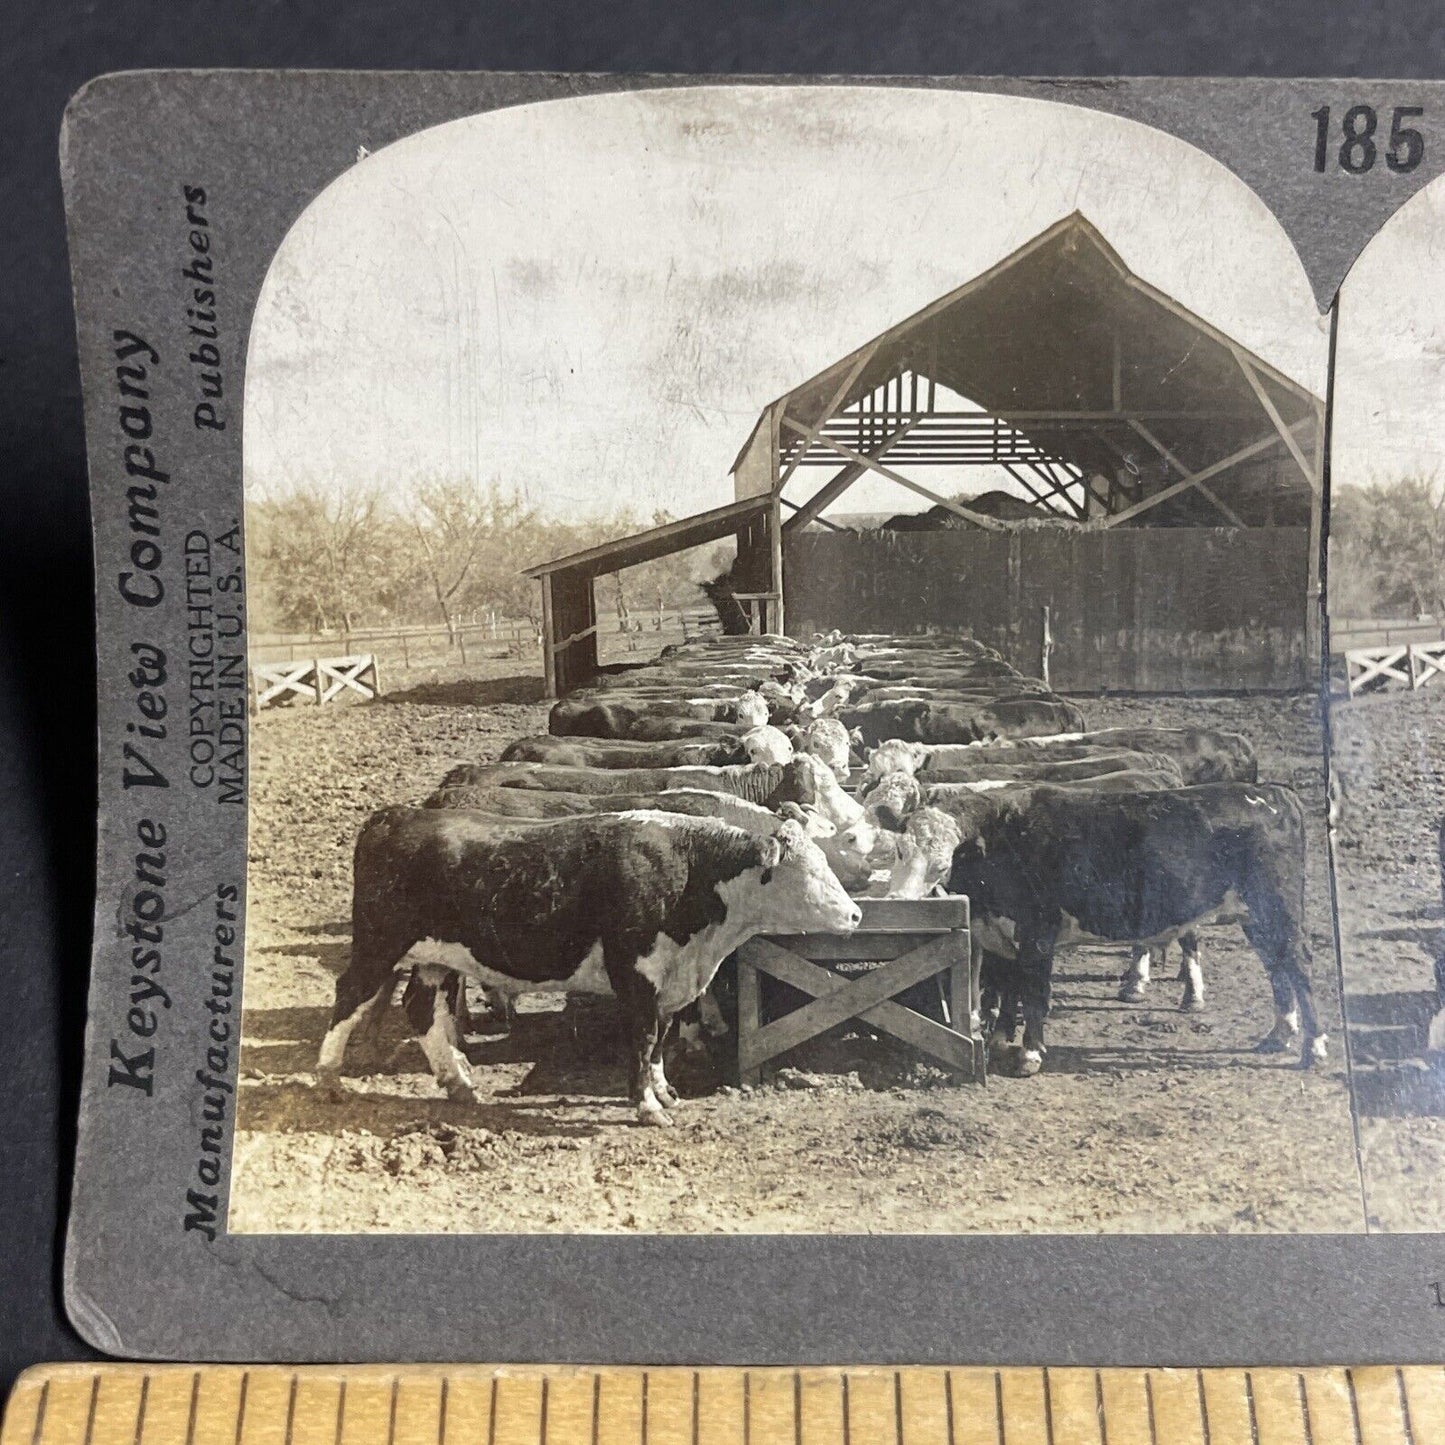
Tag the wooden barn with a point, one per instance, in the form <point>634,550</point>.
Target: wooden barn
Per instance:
<point>1163,534</point>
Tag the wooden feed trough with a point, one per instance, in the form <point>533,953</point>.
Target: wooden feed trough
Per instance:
<point>909,940</point>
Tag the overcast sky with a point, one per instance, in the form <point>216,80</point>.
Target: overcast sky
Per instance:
<point>1389,417</point>
<point>591,300</point>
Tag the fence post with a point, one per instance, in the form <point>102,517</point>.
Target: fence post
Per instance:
<point>1046,646</point>
<point>462,643</point>
<point>405,653</point>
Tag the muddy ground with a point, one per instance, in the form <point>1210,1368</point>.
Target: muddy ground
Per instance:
<point>1144,1119</point>
<point>1389,757</point>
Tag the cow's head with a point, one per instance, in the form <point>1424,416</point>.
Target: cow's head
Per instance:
<point>838,695</point>
<point>798,891</point>
<point>896,756</point>
<point>890,800</point>
<point>808,780</point>
<point>827,739</point>
<point>925,854</point>
<point>752,710</point>
<point>766,745</point>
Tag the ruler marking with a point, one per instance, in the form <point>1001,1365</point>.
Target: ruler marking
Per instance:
<point>140,1414</point>
<point>90,1409</point>
<point>40,1413</point>
<point>1404,1407</point>
<point>241,1405</point>
<point>195,1401</point>
<point>73,1408</point>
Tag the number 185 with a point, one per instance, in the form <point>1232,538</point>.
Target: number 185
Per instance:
<point>1358,150</point>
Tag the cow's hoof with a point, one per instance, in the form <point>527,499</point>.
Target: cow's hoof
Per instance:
<point>1317,1051</point>
<point>1131,991</point>
<point>328,1086</point>
<point>655,1118</point>
<point>1191,1005</point>
<point>1030,1062</point>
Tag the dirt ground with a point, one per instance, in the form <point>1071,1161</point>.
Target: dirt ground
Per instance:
<point>1144,1119</point>
<point>1389,757</point>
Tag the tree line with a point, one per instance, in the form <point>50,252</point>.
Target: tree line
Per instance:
<point>347,557</point>
<point>1387,549</point>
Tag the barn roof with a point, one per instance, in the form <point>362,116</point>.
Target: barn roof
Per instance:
<point>694,531</point>
<point>1073,355</point>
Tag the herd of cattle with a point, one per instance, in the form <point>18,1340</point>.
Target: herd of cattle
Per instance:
<point>745,785</point>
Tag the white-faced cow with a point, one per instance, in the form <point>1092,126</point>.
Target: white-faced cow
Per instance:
<point>643,906</point>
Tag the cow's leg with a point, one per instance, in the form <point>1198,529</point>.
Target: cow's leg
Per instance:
<point>665,1094</point>
<point>1192,973</point>
<point>1035,973</point>
<point>1136,977</point>
<point>430,1002</point>
<point>1278,940</point>
<point>362,993</point>
<point>644,1022</point>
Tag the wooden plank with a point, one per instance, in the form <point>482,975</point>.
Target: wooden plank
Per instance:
<point>1025,1406</point>
<point>1193,480</point>
<point>835,1000</point>
<point>914,914</point>
<point>1229,513</point>
<point>989,524</point>
<point>875,946</point>
<point>872,1404</point>
<point>1271,411</point>
<point>833,1004</point>
<point>1423,1390</point>
<point>1279,1411</point>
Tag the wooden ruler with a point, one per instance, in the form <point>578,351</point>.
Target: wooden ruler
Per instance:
<point>561,1405</point>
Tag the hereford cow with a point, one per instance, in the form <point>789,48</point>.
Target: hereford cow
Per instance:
<point>643,906</point>
<point>626,752</point>
<point>849,848</point>
<point>615,719</point>
<point>1139,868</point>
<point>922,721</point>
<point>1202,755</point>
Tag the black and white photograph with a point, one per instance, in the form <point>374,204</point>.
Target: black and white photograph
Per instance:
<point>785,652</point>
<point>1387,712</point>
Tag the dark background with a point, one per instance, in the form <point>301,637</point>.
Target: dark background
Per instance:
<point>47,724</point>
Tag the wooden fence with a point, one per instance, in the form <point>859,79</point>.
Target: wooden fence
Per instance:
<point>1350,634</point>
<point>1142,609</point>
<point>316,680</point>
<point>1412,664</point>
